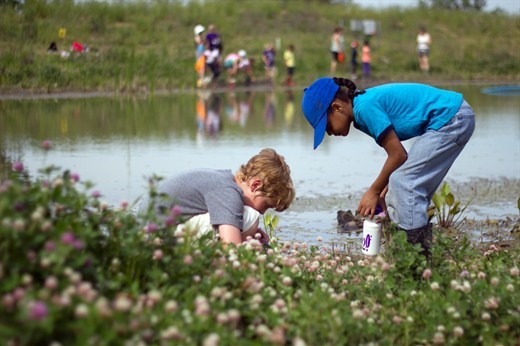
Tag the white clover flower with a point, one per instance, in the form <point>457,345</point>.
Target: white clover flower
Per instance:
<point>358,314</point>
<point>122,303</point>
<point>492,303</point>
<point>494,281</point>
<point>211,340</point>
<point>454,284</point>
<point>485,316</point>
<point>458,331</point>
<point>434,286</point>
<point>438,338</point>
<point>81,311</point>
<point>222,318</point>
<point>510,287</point>
<point>466,286</point>
<point>287,281</point>
<point>155,296</point>
<point>514,271</point>
<point>171,333</point>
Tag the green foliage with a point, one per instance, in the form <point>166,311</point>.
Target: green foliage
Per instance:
<point>270,223</point>
<point>447,209</point>
<point>76,271</point>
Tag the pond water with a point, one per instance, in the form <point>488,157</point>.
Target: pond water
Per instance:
<point>117,142</point>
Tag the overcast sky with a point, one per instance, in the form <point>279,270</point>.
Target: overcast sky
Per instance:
<point>511,6</point>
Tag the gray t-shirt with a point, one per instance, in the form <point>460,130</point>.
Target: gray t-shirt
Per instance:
<point>202,191</point>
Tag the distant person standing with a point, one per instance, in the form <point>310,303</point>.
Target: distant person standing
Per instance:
<point>366,59</point>
<point>337,47</point>
<point>268,56</point>
<point>424,41</point>
<point>200,57</point>
<point>290,64</point>
<point>353,58</point>
<point>214,45</point>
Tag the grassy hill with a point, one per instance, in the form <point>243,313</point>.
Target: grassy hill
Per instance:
<point>149,46</point>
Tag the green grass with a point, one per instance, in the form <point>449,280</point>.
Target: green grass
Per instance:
<point>148,46</point>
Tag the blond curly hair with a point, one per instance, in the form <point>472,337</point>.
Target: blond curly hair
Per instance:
<point>275,175</point>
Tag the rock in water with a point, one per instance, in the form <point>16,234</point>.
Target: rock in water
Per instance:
<point>348,222</point>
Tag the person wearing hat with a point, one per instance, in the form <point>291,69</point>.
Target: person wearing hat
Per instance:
<point>441,122</point>
<point>200,56</point>
<point>235,62</point>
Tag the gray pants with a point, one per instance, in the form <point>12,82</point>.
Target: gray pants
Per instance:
<point>411,186</point>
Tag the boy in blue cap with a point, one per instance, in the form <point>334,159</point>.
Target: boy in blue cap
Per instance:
<point>441,121</point>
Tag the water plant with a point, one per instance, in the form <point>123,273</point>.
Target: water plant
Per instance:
<point>448,210</point>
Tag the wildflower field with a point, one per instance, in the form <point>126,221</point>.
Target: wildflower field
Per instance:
<point>76,271</point>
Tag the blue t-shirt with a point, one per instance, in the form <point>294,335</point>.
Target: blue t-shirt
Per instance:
<point>410,109</point>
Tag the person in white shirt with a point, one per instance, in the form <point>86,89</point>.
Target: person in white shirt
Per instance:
<point>424,41</point>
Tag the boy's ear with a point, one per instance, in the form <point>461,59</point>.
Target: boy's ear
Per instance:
<point>254,184</point>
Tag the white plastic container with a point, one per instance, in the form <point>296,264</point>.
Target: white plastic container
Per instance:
<point>371,238</point>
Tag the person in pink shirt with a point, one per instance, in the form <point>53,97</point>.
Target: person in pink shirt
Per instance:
<point>366,59</point>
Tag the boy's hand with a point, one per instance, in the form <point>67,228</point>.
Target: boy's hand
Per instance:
<point>368,204</point>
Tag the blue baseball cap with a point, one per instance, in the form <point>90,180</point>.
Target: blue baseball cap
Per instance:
<point>316,101</point>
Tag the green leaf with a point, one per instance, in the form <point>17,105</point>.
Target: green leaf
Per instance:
<point>450,199</point>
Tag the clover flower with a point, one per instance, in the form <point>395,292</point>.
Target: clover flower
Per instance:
<point>485,316</point>
<point>171,333</point>
<point>46,144</point>
<point>38,310</point>
<point>202,307</point>
<point>151,228</point>
<point>157,255</point>
<point>492,303</point>
<point>17,167</point>
<point>427,273</point>
<point>74,177</point>
<point>397,319</point>
<point>51,282</point>
<point>81,311</point>
<point>68,238</point>
<point>514,271</point>
<point>122,303</point>
<point>458,331</point>
<point>438,338</point>
<point>434,286</point>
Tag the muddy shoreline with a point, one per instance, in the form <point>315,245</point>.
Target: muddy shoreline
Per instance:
<point>220,88</point>
<point>492,213</point>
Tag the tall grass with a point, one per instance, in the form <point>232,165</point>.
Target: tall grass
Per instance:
<point>149,45</point>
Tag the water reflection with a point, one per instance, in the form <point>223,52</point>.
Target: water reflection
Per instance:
<point>117,142</point>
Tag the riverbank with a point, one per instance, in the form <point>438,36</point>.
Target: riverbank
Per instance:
<point>21,94</point>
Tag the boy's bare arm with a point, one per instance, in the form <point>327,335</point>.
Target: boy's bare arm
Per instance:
<point>230,234</point>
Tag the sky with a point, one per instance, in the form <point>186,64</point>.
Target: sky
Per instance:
<point>510,6</point>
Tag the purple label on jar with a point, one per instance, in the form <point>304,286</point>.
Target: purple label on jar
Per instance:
<point>366,242</point>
